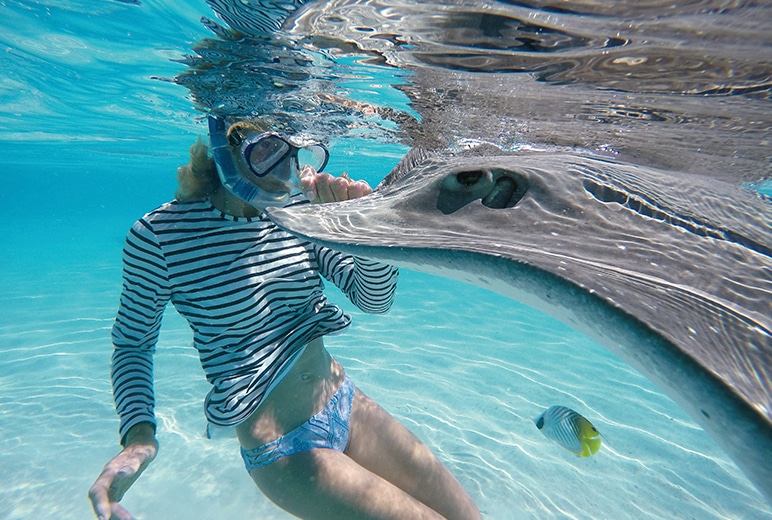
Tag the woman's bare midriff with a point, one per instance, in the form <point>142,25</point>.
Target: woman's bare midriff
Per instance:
<point>304,391</point>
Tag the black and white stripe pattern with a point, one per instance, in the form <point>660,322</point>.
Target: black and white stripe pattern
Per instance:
<point>251,293</point>
<point>255,17</point>
<point>562,425</point>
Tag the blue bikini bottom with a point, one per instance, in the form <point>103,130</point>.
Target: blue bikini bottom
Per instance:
<point>327,429</point>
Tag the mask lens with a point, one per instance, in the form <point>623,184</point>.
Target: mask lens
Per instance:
<point>266,153</point>
<point>314,156</point>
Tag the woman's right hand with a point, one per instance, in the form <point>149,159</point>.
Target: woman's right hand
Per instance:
<point>321,187</point>
<point>122,471</point>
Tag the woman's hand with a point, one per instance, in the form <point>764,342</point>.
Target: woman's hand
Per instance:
<point>323,187</point>
<point>121,472</point>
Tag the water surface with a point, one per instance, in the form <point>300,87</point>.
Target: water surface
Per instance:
<point>93,125</point>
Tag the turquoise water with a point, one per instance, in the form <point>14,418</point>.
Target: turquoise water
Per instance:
<point>89,142</point>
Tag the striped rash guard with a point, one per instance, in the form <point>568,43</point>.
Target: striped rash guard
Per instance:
<point>251,293</point>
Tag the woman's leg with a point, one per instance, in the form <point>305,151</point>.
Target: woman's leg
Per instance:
<point>382,445</point>
<point>385,473</point>
<point>324,484</point>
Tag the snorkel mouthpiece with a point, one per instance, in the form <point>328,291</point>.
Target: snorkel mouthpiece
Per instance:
<point>230,177</point>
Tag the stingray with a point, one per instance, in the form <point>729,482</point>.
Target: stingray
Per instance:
<point>669,271</point>
<point>672,271</point>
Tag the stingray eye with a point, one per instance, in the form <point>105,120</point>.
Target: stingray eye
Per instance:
<point>506,192</point>
<point>460,188</point>
<point>470,178</point>
<point>496,188</point>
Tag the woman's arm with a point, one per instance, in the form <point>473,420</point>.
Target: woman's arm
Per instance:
<point>135,331</point>
<point>370,285</point>
<point>122,471</point>
<point>134,334</point>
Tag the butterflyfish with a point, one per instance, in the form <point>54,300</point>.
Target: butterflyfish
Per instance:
<point>569,429</point>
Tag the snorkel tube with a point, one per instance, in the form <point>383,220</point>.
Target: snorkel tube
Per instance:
<point>230,177</point>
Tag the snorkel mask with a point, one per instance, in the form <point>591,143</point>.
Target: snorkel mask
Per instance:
<point>267,159</point>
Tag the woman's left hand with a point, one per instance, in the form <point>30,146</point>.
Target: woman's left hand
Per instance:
<point>323,187</point>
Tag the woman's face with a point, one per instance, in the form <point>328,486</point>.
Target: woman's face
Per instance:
<point>259,166</point>
<point>272,181</point>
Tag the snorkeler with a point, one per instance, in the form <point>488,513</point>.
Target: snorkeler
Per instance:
<point>312,442</point>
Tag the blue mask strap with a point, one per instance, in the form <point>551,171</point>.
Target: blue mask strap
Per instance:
<point>226,170</point>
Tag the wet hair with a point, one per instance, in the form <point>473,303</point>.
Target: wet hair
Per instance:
<point>198,179</point>
<point>236,130</point>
